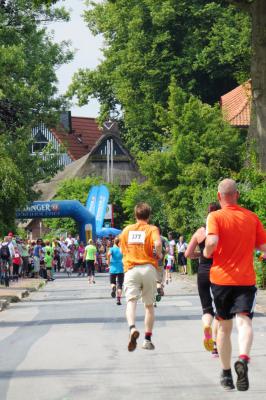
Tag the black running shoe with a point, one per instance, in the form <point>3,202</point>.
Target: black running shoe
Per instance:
<point>241,368</point>
<point>227,382</point>
<point>158,297</point>
<point>113,292</point>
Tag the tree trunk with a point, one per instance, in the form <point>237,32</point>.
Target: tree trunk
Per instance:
<point>257,128</point>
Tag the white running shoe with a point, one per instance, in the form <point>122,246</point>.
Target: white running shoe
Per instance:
<point>148,345</point>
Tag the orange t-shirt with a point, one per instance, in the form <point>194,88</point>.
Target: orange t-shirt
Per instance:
<point>137,244</point>
<point>240,232</point>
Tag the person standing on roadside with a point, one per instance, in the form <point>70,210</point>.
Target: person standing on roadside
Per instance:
<point>233,233</point>
<point>37,254</point>
<point>90,259</point>
<point>25,258</point>
<point>81,263</point>
<point>141,248</point>
<point>5,260</point>
<point>181,247</point>
<point>171,252</point>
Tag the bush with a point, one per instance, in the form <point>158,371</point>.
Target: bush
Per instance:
<point>260,268</point>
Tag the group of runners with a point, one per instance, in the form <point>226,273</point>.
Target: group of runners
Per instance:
<point>226,277</point>
<point>141,260</point>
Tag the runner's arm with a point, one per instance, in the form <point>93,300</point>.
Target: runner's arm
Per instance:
<point>190,251</point>
<point>158,249</point>
<point>210,245</point>
<point>108,257</point>
<point>157,244</point>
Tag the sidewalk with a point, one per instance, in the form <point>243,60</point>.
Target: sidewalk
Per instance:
<point>18,291</point>
<point>191,280</point>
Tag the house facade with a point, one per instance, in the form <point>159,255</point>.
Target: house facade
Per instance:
<point>86,150</point>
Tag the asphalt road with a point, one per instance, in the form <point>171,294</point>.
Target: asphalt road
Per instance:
<point>69,342</point>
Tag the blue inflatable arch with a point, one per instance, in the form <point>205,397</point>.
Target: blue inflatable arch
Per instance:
<point>62,209</point>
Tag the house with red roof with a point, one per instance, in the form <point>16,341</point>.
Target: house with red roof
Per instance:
<point>236,105</point>
<point>73,139</point>
<point>85,149</point>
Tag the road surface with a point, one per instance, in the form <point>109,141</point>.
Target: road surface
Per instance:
<point>69,342</point>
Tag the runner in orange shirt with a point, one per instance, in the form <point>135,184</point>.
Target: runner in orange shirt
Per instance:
<point>141,248</point>
<point>233,235</point>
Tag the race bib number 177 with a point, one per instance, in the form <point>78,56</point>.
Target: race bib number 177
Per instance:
<point>136,237</point>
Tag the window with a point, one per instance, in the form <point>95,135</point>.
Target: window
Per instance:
<point>102,149</point>
<point>40,142</point>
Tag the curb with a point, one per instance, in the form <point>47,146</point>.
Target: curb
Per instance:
<point>22,293</point>
<point>3,304</point>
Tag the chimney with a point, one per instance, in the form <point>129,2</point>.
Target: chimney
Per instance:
<point>65,120</point>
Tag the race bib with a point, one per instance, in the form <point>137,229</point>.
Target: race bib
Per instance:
<point>136,237</point>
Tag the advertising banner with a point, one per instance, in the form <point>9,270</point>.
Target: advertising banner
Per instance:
<point>109,212</point>
<point>92,200</point>
<point>101,206</point>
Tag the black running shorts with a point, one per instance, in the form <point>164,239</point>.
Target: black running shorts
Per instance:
<point>119,278</point>
<point>232,300</point>
<point>90,267</point>
<point>204,288</point>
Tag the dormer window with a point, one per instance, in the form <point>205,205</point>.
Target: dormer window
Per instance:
<point>40,142</point>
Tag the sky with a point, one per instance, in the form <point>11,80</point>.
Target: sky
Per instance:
<point>87,54</point>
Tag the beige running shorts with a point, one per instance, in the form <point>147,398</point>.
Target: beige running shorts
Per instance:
<point>140,282</point>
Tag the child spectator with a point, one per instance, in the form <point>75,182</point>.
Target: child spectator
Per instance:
<point>16,261</point>
<point>48,259</point>
<point>69,264</point>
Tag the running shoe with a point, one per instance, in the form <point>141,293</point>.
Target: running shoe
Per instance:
<point>132,344</point>
<point>148,345</point>
<point>227,382</point>
<point>207,339</point>
<point>215,353</point>
<point>241,368</point>
<point>113,292</point>
<point>158,297</point>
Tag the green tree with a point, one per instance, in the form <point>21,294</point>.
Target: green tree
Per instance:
<point>28,62</point>
<point>256,9</point>
<point>201,149</point>
<point>148,193</point>
<point>204,44</point>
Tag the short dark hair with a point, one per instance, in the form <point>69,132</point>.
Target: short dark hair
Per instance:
<point>117,240</point>
<point>142,211</point>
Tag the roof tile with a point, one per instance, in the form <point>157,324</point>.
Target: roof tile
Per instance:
<point>236,105</point>
<point>85,133</point>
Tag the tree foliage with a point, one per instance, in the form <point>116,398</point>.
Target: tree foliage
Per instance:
<point>201,149</point>
<point>148,193</point>
<point>204,45</point>
<point>29,58</point>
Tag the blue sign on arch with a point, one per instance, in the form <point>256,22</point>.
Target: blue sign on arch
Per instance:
<point>62,209</point>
